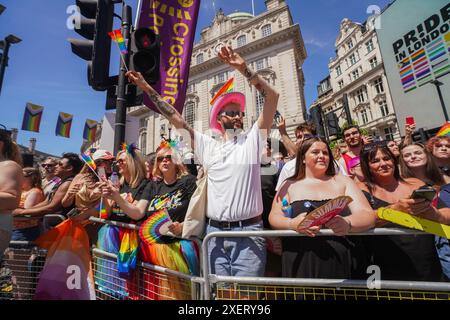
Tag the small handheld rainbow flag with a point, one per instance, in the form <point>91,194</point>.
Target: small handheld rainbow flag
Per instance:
<point>117,37</point>
<point>90,129</point>
<point>32,117</point>
<point>444,131</point>
<point>64,124</point>
<point>89,162</point>
<point>155,226</point>
<point>226,88</point>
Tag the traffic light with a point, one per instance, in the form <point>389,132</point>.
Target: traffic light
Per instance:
<point>95,23</point>
<point>332,122</point>
<point>145,47</point>
<point>316,116</point>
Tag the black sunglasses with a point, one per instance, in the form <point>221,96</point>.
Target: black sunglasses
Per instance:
<point>233,114</point>
<point>167,157</point>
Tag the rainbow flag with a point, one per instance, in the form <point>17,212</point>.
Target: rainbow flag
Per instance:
<point>444,131</point>
<point>127,255</point>
<point>117,37</point>
<point>89,161</point>
<point>226,88</point>
<point>90,129</point>
<point>101,208</point>
<point>32,117</point>
<point>64,124</point>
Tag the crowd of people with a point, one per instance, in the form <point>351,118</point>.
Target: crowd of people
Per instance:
<point>248,186</point>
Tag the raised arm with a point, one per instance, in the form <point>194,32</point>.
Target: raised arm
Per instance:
<point>269,93</point>
<point>287,142</point>
<point>163,106</point>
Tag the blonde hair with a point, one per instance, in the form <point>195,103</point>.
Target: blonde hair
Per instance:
<point>136,168</point>
<point>179,166</point>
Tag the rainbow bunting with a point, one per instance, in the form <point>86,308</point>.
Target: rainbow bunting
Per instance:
<point>154,227</point>
<point>226,88</point>
<point>117,37</point>
<point>444,131</point>
<point>89,161</point>
<point>64,124</point>
<point>32,117</point>
<point>90,129</point>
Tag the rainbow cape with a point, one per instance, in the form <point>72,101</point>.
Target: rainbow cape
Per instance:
<point>117,37</point>
<point>127,256</point>
<point>90,129</point>
<point>32,117</point>
<point>67,273</point>
<point>444,131</point>
<point>64,124</point>
<point>226,88</point>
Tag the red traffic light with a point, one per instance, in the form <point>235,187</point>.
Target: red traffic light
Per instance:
<point>144,38</point>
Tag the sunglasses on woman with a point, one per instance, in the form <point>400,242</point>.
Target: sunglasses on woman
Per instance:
<point>167,157</point>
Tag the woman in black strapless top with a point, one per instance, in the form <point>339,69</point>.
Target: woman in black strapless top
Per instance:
<point>331,257</point>
<point>406,257</point>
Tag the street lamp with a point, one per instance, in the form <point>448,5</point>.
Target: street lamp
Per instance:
<point>5,44</point>
<point>438,84</point>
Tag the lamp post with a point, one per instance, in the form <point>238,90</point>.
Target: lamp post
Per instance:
<point>438,84</point>
<point>170,130</point>
<point>5,44</point>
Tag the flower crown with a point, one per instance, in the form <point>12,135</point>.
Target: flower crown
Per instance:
<point>130,148</point>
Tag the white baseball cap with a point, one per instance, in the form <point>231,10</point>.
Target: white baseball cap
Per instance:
<point>102,154</point>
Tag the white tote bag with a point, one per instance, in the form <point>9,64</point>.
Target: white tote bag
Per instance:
<point>194,221</point>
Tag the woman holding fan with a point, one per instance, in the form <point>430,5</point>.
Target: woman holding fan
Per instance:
<point>314,183</point>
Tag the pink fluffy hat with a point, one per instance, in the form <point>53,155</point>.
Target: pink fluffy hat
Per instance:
<point>222,101</point>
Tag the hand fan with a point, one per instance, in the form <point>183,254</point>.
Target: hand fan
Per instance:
<point>154,227</point>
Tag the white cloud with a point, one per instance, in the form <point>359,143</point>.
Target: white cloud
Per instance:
<point>317,43</point>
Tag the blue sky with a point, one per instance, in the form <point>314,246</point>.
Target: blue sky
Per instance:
<point>43,70</point>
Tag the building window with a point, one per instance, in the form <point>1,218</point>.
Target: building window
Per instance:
<point>241,41</point>
<point>341,84</point>
<point>189,113</point>
<point>350,44</point>
<point>364,117</point>
<point>384,108</point>
<point>143,123</point>
<point>259,103</point>
<point>352,59</point>
<point>360,95</point>
<point>221,77</point>
<point>338,71</point>
<point>388,133</point>
<point>200,58</point>
<point>261,64</point>
<point>143,142</point>
<point>355,74</point>
<point>191,88</point>
<point>266,30</point>
<point>369,46</point>
<point>379,85</point>
<point>373,62</point>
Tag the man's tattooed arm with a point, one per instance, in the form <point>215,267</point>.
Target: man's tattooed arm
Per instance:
<point>269,94</point>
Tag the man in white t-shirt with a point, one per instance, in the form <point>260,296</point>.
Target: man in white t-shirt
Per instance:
<point>233,167</point>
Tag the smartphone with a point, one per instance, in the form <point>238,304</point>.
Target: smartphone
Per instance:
<point>277,116</point>
<point>101,173</point>
<point>410,120</point>
<point>427,193</point>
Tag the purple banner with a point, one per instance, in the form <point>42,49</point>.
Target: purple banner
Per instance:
<point>175,22</point>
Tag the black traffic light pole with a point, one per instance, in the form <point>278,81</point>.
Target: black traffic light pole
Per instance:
<point>438,85</point>
<point>121,111</point>
<point>347,110</point>
<point>4,62</point>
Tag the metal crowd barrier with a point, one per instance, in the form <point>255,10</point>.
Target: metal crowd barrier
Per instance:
<point>22,265</point>
<point>150,282</point>
<point>257,288</point>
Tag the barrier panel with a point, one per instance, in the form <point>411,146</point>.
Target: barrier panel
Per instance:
<point>263,288</point>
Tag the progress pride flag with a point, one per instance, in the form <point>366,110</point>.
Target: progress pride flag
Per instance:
<point>174,21</point>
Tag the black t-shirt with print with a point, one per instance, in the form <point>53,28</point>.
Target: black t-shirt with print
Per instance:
<point>132,194</point>
<point>174,197</point>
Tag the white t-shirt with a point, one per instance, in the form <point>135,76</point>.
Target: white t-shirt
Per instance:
<point>289,170</point>
<point>233,168</point>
